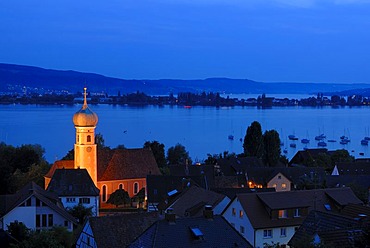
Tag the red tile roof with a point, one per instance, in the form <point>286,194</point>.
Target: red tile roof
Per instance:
<point>60,164</point>
<point>126,164</point>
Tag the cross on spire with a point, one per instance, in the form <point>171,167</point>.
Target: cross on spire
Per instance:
<point>85,101</point>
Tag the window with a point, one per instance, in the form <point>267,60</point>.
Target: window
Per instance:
<point>120,186</point>
<point>297,212</point>
<point>267,233</point>
<point>136,188</point>
<point>44,216</point>
<point>38,220</point>
<point>283,232</point>
<point>50,220</point>
<point>283,214</point>
<point>279,177</point>
<point>84,200</point>
<point>104,195</point>
<point>241,229</point>
<point>283,185</point>
<point>71,199</point>
<point>78,138</point>
<point>241,213</point>
<point>88,138</point>
<point>233,212</point>
<point>274,185</point>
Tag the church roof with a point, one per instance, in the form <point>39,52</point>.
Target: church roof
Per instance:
<point>120,164</point>
<point>117,164</point>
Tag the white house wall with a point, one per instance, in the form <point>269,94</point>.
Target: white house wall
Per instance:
<point>26,215</point>
<point>276,238</point>
<point>236,221</point>
<point>94,203</point>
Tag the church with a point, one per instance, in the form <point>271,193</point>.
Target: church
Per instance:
<point>110,169</point>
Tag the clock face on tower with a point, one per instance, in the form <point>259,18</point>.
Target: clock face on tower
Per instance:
<point>88,149</point>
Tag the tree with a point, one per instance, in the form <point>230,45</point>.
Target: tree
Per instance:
<point>159,154</point>
<point>140,196</point>
<point>80,212</point>
<point>253,141</point>
<point>341,156</point>
<point>271,144</point>
<point>119,197</point>
<point>18,230</point>
<point>178,155</point>
<point>99,140</point>
<point>57,237</point>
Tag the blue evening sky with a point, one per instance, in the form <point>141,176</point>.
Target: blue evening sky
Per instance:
<point>262,40</point>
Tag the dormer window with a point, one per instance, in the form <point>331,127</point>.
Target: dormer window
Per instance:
<point>283,214</point>
<point>297,212</point>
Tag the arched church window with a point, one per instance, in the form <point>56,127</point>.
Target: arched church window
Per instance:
<point>136,188</point>
<point>88,138</point>
<point>104,195</point>
<point>78,138</point>
<point>120,186</point>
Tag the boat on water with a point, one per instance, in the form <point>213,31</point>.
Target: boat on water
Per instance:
<point>367,138</point>
<point>305,141</point>
<point>292,137</point>
<point>231,137</point>
<point>320,137</point>
<point>364,142</point>
<point>344,141</point>
<point>293,145</point>
<point>322,144</point>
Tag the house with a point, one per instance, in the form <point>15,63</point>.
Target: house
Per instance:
<point>162,188</point>
<point>237,165</point>
<point>35,208</point>
<point>203,175</point>
<point>109,169</point>
<point>192,200</point>
<point>359,167</point>
<point>330,230</point>
<point>285,178</point>
<point>204,231</point>
<point>274,216</point>
<point>75,187</point>
<point>114,231</point>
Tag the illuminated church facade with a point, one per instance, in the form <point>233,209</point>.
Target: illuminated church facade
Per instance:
<point>110,169</point>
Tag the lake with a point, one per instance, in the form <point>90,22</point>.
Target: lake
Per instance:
<point>201,130</point>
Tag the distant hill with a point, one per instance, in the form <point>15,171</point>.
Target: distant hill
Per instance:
<point>73,81</point>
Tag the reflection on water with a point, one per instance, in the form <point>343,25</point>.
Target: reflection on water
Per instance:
<point>201,130</point>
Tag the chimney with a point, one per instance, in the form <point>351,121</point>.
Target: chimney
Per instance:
<point>208,212</point>
<point>169,216</point>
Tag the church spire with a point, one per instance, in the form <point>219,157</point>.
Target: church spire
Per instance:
<point>85,101</point>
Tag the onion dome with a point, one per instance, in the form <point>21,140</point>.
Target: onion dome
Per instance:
<point>85,117</point>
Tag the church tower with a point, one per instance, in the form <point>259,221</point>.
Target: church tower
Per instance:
<point>85,149</point>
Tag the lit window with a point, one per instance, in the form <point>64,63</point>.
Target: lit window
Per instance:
<point>241,213</point>
<point>283,232</point>
<point>274,185</point>
<point>267,233</point>
<point>297,212</point>
<point>241,229</point>
<point>233,212</point>
<point>283,214</point>
<point>283,185</point>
